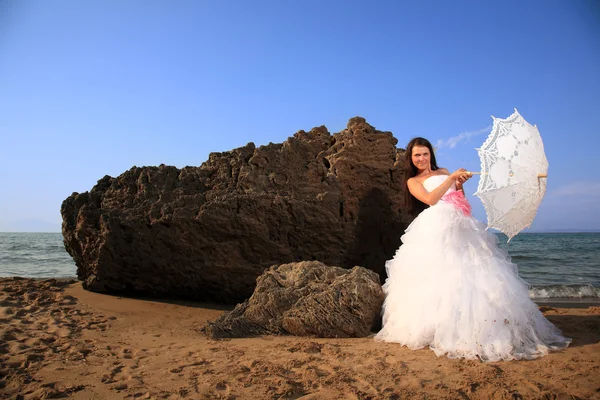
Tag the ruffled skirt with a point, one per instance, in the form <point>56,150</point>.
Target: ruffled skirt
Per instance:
<point>451,288</point>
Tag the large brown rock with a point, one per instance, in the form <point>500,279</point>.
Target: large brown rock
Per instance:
<point>306,299</point>
<point>208,232</point>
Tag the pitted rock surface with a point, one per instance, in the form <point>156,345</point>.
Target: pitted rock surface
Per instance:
<point>208,232</point>
<point>306,299</point>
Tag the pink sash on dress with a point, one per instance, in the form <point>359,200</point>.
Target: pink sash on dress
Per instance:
<point>459,200</point>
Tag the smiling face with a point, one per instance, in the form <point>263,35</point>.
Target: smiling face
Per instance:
<point>421,157</point>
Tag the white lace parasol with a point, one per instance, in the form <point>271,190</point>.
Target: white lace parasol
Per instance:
<point>513,174</point>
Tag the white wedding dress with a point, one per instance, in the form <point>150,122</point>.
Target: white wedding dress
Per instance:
<point>450,287</point>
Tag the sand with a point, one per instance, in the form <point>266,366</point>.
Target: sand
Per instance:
<point>60,341</point>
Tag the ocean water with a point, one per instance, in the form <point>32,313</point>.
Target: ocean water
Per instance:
<point>556,265</point>
<point>35,255</point>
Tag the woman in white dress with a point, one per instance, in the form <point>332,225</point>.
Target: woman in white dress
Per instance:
<point>449,286</point>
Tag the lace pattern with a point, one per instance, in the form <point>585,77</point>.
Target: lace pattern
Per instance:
<point>512,157</point>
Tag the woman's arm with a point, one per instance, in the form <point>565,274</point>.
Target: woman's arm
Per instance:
<point>461,180</point>
<point>418,190</point>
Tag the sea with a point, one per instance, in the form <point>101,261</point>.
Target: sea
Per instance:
<point>558,266</point>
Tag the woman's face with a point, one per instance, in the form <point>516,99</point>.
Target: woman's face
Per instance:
<point>421,157</point>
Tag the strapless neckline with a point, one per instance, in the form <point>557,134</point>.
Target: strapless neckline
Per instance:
<point>434,181</point>
<point>433,176</point>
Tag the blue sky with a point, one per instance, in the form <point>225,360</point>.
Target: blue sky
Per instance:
<point>90,88</point>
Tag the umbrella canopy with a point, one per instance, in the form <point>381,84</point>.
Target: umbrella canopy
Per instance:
<point>513,174</point>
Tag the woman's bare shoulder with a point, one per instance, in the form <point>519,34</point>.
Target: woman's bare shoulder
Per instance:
<point>415,179</point>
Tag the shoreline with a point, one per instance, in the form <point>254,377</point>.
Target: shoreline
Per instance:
<point>561,302</point>
<point>554,302</point>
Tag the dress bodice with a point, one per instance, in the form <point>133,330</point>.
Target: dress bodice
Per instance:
<point>436,180</point>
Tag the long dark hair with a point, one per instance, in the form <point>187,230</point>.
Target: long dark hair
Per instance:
<point>414,205</point>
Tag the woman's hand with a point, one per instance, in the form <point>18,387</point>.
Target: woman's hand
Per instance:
<point>417,189</point>
<point>461,175</point>
<point>463,178</point>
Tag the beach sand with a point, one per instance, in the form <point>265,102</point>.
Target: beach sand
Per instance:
<point>58,340</point>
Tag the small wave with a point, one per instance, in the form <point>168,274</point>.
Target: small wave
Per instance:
<point>564,291</point>
<point>18,246</point>
<point>13,259</point>
<point>523,258</point>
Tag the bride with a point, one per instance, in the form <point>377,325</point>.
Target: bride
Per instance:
<point>450,286</point>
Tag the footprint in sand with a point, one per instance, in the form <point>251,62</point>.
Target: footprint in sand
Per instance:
<point>126,353</point>
<point>110,378</point>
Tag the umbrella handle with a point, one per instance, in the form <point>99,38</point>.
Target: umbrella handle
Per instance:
<point>485,173</point>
